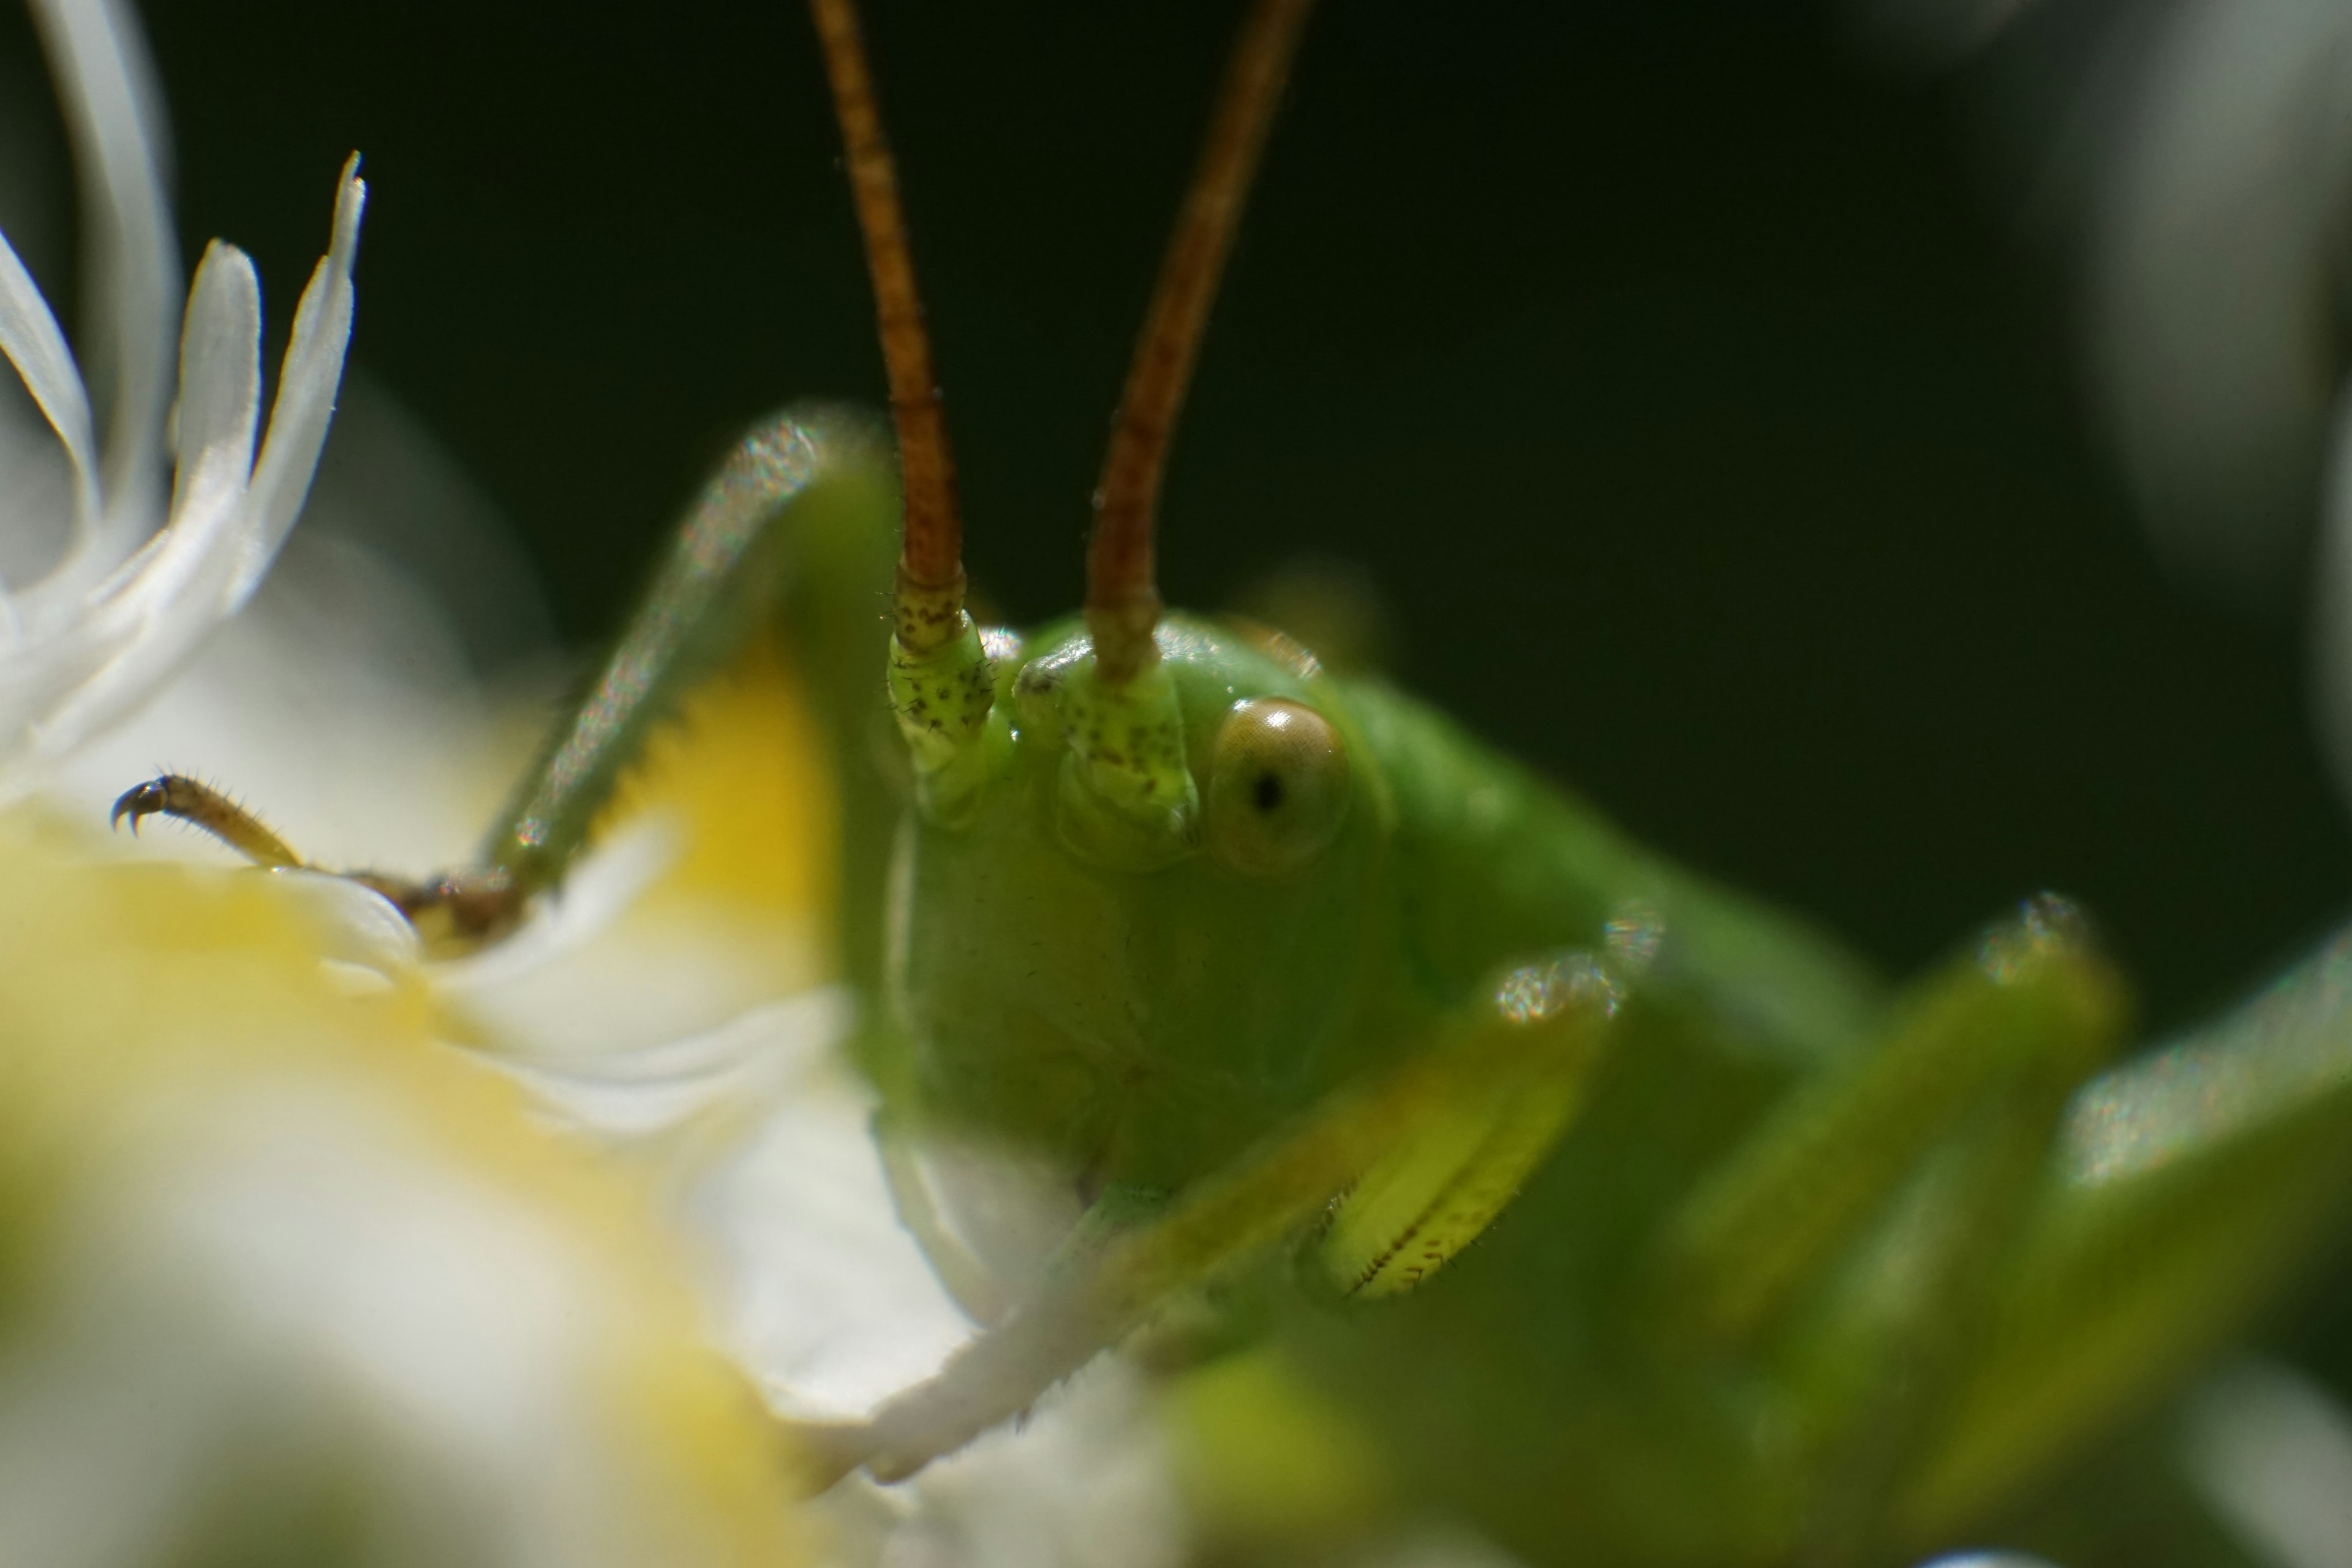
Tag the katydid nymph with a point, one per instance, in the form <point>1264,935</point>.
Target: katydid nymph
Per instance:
<point>1642,1222</point>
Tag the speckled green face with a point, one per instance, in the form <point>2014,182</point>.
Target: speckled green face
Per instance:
<point>1141,941</point>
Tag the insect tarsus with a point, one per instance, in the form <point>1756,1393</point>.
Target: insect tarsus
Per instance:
<point>452,914</point>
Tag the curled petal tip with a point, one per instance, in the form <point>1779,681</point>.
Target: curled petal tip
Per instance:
<point>351,201</point>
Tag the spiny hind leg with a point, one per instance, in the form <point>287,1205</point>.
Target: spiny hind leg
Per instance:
<point>1410,1164</point>
<point>1847,1251</point>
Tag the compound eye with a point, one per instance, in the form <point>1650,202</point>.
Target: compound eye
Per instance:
<point>1277,787</point>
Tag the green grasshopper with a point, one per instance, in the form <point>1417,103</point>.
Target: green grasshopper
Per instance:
<point>1640,1222</point>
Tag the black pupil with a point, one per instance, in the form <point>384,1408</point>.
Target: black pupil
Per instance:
<point>1266,792</point>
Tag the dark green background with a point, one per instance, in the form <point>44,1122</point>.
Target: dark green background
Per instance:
<point>1715,445</point>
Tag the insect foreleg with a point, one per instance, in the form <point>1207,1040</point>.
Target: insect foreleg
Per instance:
<point>2014,1025</point>
<point>756,533</point>
<point>796,529</point>
<point>1844,1263</point>
<point>2191,1183</point>
<point>1869,1377</point>
<point>1538,1040</point>
<point>449,913</point>
<point>203,807</point>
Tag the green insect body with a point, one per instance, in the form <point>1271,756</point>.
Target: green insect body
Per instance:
<point>1632,1219</point>
<point>1638,1219</point>
<point>1171,1017</point>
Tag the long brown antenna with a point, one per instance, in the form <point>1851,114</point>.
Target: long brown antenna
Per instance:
<point>1122,603</point>
<point>931,565</point>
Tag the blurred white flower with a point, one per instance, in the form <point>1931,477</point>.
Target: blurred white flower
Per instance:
<point>2214,276</point>
<point>280,1280</point>
<point>2195,158</point>
<point>141,576</point>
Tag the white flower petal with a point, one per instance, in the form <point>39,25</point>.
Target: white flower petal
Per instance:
<point>105,87</point>
<point>2272,1454</point>
<point>142,624</point>
<point>220,375</point>
<point>133,632</point>
<point>2213,269</point>
<point>623,1095</point>
<point>30,337</point>
<point>337,703</point>
<point>354,925</point>
<point>29,678</point>
<point>825,1296</point>
<point>136,628</point>
<point>306,391</point>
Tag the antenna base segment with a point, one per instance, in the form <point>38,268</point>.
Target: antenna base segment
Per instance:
<point>1127,799</point>
<point>943,699</point>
